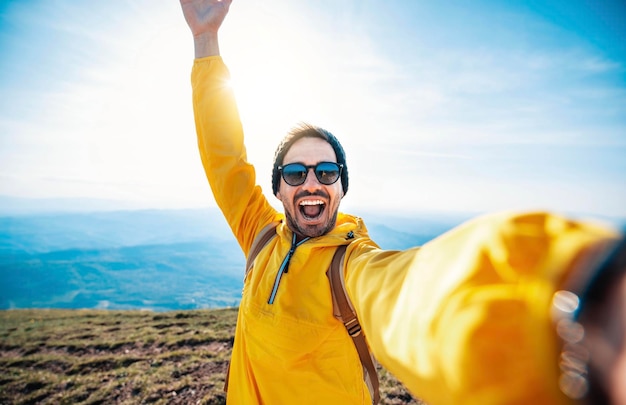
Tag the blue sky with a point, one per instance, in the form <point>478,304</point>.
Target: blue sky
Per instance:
<point>447,105</point>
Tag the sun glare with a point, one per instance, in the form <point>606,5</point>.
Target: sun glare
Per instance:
<point>275,83</point>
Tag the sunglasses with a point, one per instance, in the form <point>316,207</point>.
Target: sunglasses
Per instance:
<point>326,173</point>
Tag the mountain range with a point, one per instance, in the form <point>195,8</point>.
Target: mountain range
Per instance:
<point>143,259</point>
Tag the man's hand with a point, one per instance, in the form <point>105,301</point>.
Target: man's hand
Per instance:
<point>605,339</point>
<point>204,18</point>
<point>604,320</point>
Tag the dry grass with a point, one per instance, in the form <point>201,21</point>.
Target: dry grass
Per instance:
<point>124,357</point>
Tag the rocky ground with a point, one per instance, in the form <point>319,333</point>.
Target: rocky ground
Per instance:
<point>124,357</point>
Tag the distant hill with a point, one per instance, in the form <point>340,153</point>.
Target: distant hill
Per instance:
<point>10,206</point>
<point>143,259</point>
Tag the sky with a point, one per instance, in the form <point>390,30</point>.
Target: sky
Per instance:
<point>465,106</point>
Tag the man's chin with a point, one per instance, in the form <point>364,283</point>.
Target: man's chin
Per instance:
<point>314,228</point>
<point>311,228</point>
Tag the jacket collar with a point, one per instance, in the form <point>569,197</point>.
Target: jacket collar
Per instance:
<point>347,228</point>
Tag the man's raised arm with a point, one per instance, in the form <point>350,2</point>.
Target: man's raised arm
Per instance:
<point>204,18</point>
<point>219,129</point>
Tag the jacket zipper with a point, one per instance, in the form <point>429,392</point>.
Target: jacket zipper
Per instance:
<point>284,267</point>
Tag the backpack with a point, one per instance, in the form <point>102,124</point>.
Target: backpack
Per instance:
<point>342,307</point>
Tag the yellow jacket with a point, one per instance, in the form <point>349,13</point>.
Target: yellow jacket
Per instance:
<point>435,316</point>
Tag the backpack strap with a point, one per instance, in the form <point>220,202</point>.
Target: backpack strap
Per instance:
<point>351,322</point>
<point>261,239</point>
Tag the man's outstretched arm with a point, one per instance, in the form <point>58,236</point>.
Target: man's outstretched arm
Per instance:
<point>204,18</point>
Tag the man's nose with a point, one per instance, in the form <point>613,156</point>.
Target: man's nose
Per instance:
<point>311,182</point>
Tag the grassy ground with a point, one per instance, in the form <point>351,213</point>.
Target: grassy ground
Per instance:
<point>124,357</point>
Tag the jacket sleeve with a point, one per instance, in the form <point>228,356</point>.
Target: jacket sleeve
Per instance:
<point>466,318</point>
<point>220,141</point>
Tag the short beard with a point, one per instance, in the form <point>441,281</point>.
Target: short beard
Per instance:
<point>311,233</point>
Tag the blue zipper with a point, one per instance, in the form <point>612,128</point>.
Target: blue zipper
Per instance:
<point>284,267</point>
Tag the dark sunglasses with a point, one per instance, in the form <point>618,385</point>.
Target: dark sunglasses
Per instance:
<point>295,174</point>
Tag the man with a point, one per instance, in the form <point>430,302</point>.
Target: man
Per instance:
<point>465,319</point>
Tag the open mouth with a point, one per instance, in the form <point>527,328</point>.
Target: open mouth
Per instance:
<point>312,209</point>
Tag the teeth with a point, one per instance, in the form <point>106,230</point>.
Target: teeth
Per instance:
<point>312,202</point>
